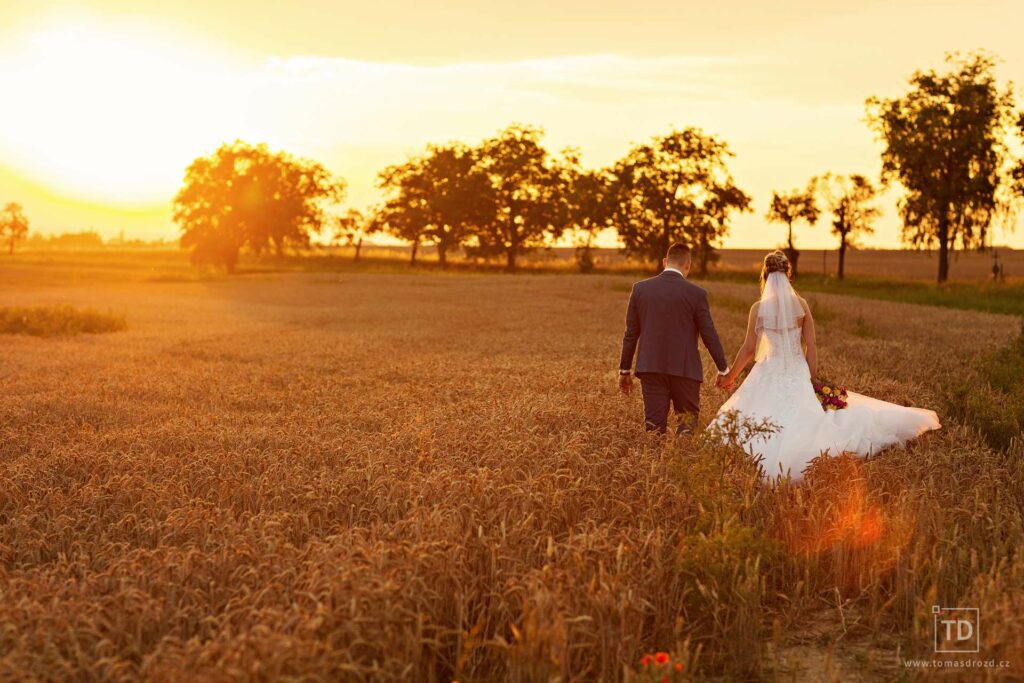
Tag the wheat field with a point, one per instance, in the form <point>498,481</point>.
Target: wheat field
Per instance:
<point>429,477</point>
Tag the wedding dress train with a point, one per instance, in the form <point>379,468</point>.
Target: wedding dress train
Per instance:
<point>778,389</point>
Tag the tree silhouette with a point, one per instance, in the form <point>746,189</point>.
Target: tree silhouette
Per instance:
<point>789,208</point>
<point>526,207</point>
<point>245,195</point>
<point>588,205</point>
<point>13,224</point>
<point>442,197</point>
<point>253,197</point>
<point>849,199</point>
<point>352,227</point>
<point>298,198</point>
<point>407,223</point>
<point>944,143</point>
<point>407,220</point>
<point>1017,172</point>
<point>722,200</point>
<point>677,188</point>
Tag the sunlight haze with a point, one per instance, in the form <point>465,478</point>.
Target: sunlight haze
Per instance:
<point>107,102</point>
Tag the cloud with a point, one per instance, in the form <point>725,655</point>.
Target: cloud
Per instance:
<point>116,118</point>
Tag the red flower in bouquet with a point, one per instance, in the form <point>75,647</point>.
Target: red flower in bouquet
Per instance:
<point>832,396</point>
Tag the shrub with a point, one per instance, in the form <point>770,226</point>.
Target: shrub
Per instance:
<point>58,321</point>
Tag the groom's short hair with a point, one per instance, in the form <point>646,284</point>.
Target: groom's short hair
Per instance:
<point>678,253</point>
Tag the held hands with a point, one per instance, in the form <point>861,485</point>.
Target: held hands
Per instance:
<point>725,381</point>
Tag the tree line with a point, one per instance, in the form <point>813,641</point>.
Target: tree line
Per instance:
<point>945,145</point>
<point>498,199</point>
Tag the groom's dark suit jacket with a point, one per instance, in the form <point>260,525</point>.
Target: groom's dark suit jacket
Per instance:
<point>666,314</point>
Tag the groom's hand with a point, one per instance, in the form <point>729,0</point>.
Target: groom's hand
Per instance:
<point>626,384</point>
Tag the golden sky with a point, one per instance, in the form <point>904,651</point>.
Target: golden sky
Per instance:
<point>106,102</point>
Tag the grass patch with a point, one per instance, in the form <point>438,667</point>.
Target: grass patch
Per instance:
<point>733,303</point>
<point>57,321</point>
<point>985,296</point>
<point>622,286</point>
<point>820,311</point>
<point>467,538</point>
<point>994,403</point>
<point>862,328</point>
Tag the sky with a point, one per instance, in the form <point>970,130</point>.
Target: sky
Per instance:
<point>106,102</point>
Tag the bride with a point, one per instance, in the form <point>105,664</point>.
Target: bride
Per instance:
<point>780,337</point>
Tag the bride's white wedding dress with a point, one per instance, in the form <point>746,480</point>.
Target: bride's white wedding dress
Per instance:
<point>779,389</point>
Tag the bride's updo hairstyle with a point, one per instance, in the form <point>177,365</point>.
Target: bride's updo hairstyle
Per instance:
<point>774,262</point>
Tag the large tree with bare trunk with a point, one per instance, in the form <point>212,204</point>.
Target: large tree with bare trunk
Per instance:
<point>526,194</point>
<point>850,199</point>
<point>676,188</point>
<point>789,208</point>
<point>944,145</point>
<point>442,197</point>
<point>246,195</point>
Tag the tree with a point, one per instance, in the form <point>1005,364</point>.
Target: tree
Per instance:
<point>849,199</point>
<point>1017,172</point>
<point>525,208</point>
<point>443,194</point>
<point>677,188</point>
<point>352,227</point>
<point>404,222</point>
<point>13,224</point>
<point>944,143</point>
<point>297,199</point>
<point>588,205</point>
<point>789,208</point>
<point>721,200</point>
<point>244,195</point>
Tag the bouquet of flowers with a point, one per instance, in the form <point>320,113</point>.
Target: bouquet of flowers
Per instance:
<point>831,395</point>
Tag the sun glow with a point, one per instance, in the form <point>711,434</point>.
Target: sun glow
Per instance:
<point>108,114</point>
<point>105,107</point>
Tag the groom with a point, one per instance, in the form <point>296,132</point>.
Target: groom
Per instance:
<point>665,315</point>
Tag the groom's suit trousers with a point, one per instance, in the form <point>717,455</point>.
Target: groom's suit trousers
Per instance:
<point>666,316</point>
<point>661,391</point>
